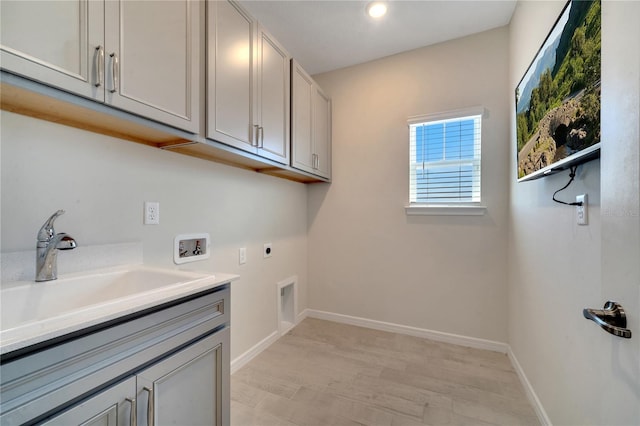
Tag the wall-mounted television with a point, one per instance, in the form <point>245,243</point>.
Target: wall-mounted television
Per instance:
<point>558,99</point>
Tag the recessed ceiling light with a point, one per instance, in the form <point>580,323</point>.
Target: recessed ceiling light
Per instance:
<point>376,9</point>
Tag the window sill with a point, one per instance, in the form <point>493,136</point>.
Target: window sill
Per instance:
<point>446,210</point>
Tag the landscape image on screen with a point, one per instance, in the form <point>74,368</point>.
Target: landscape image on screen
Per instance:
<point>558,99</point>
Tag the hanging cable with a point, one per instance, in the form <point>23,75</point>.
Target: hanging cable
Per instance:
<point>572,175</point>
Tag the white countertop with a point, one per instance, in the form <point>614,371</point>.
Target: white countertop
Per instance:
<point>19,335</point>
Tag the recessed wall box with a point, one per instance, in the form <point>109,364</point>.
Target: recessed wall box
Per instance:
<point>267,250</point>
<point>191,247</point>
<point>287,304</point>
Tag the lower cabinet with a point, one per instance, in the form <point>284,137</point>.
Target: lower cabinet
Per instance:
<point>186,388</point>
<point>112,407</point>
<point>166,366</point>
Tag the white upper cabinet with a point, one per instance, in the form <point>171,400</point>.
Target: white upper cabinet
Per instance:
<point>145,57</point>
<point>231,74</point>
<point>247,84</point>
<point>321,124</point>
<point>56,42</point>
<point>310,124</point>
<point>152,59</point>
<point>139,56</point>
<point>273,98</point>
<point>301,114</point>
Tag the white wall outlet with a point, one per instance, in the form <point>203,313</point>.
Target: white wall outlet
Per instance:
<point>581,211</point>
<point>242,255</point>
<point>151,213</point>
<point>268,250</point>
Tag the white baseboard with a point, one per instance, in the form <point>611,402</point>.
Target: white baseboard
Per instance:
<point>254,351</point>
<point>301,316</point>
<point>531,394</point>
<point>439,336</point>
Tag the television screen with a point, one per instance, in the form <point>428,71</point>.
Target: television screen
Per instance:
<point>558,99</point>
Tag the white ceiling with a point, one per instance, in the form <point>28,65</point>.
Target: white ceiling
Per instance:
<point>324,35</point>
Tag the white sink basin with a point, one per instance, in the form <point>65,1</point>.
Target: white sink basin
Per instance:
<point>33,312</point>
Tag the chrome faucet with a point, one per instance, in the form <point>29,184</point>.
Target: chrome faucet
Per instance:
<point>47,249</point>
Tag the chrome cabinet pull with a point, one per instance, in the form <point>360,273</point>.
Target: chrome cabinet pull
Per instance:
<point>133,416</point>
<point>115,69</point>
<point>261,133</point>
<point>611,318</point>
<point>254,139</point>
<point>99,64</point>
<point>150,420</point>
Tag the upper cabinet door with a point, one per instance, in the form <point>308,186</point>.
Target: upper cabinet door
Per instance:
<point>273,100</point>
<point>301,116</point>
<point>152,59</point>
<point>231,75</point>
<point>322,132</point>
<point>310,124</point>
<point>56,42</point>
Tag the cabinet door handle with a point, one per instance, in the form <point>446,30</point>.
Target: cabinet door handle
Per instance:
<point>256,132</point>
<point>115,69</point>
<point>317,161</point>
<point>150,420</point>
<point>99,64</point>
<point>133,416</point>
<point>261,133</point>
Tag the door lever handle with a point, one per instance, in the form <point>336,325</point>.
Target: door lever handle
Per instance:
<point>611,318</point>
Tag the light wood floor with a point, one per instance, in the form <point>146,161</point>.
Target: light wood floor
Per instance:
<point>326,373</point>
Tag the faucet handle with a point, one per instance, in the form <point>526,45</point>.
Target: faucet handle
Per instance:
<point>47,232</point>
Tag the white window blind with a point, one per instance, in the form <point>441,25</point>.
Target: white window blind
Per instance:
<point>445,159</point>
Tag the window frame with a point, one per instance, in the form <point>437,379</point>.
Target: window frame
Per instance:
<point>446,208</point>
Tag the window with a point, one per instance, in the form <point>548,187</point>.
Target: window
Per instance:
<point>445,158</point>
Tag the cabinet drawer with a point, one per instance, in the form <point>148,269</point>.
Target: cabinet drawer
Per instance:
<point>111,407</point>
<point>67,371</point>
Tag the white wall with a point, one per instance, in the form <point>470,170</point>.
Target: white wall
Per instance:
<point>102,183</point>
<point>366,257</point>
<point>556,266</point>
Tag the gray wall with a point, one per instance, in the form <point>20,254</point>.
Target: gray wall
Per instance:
<point>102,183</point>
<point>367,258</point>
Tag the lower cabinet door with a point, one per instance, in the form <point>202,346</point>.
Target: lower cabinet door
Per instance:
<point>111,407</point>
<point>190,387</point>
